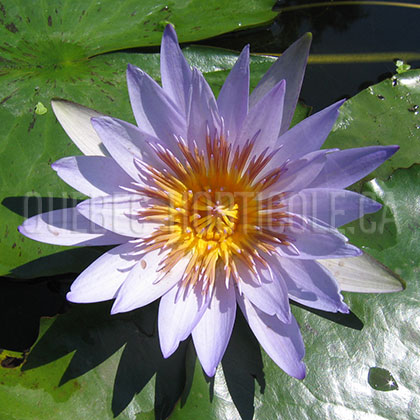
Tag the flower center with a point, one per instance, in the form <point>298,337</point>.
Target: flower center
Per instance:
<point>209,209</point>
<point>213,215</point>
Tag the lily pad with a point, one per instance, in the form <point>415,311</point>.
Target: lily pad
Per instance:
<point>384,114</point>
<point>64,31</point>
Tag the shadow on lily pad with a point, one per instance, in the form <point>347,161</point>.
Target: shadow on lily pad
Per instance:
<point>349,320</point>
<point>22,304</point>
<point>72,260</point>
<point>93,335</point>
<point>242,366</point>
<point>28,206</point>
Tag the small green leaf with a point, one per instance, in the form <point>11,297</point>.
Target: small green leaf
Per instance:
<point>40,109</point>
<point>402,67</point>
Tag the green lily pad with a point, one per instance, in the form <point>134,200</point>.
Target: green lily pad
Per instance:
<point>384,114</point>
<point>64,31</point>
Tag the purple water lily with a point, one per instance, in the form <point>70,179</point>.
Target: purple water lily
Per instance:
<point>214,204</point>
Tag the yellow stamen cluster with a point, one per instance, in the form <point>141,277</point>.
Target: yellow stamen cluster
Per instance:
<point>209,208</point>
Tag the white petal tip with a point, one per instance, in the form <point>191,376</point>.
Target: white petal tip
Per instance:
<point>115,310</point>
<point>364,274</point>
<point>72,297</point>
<point>166,353</point>
<point>27,229</point>
<point>75,119</point>
<point>344,309</point>
<point>209,371</point>
<point>118,307</point>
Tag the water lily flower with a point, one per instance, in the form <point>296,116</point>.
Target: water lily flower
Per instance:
<point>215,204</point>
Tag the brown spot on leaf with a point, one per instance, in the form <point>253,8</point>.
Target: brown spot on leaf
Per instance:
<point>31,124</point>
<point>12,27</point>
<point>5,99</point>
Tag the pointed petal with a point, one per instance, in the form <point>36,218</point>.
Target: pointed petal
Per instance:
<point>102,279</point>
<point>117,213</point>
<point>335,207</point>
<point>203,112</point>
<point>92,175</point>
<point>234,95</point>
<point>363,274</point>
<point>126,144</point>
<point>314,241</point>
<point>297,174</point>
<point>311,284</point>
<point>75,119</point>
<point>345,167</point>
<point>177,319</point>
<point>291,67</point>
<point>211,335</point>
<point>155,112</point>
<point>141,286</point>
<point>68,227</point>
<point>270,296</point>
<point>265,117</point>
<point>309,135</point>
<point>175,70</point>
<point>282,342</point>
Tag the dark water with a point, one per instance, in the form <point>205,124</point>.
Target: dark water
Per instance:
<point>351,29</point>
